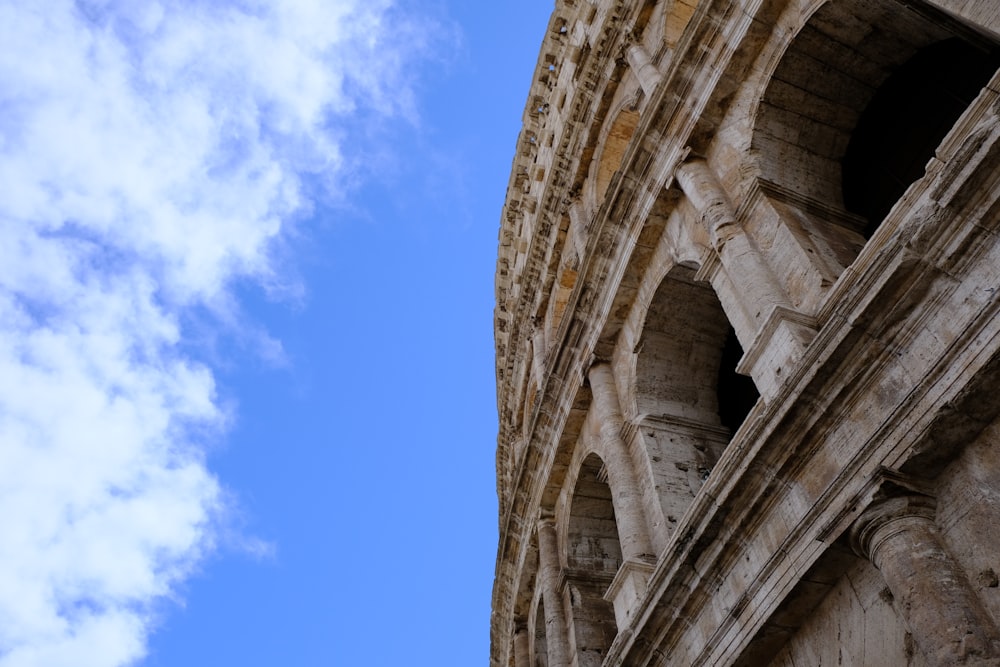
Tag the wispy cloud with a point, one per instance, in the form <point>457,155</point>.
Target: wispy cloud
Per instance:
<point>151,154</point>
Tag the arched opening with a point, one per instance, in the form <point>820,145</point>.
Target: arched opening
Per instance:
<point>905,121</point>
<point>856,107</point>
<point>593,531</point>
<point>687,356</point>
<point>594,556</point>
<point>689,396</point>
<point>527,604</point>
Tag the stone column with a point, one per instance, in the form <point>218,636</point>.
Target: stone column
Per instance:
<point>521,658</point>
<point>740,256</point>
<point>640,62</point>
<point>779,334</point>
<point>629,583</point>
<point>947,620</point>
<point>556,636</point>
<point>633,532</point>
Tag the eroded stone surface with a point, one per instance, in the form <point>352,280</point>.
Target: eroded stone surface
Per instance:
<point>713,369</point>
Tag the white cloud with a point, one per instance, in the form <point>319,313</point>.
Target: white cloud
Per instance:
<point>151,154</point>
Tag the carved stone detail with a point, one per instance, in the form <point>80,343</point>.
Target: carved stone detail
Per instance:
<point>947,621</point>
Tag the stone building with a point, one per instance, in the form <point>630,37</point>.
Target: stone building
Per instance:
<point>747,337</point>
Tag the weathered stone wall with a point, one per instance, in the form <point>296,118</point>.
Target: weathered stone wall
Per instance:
<point>748,339</point>
<point>969,515</point>
<point>858,622</point>
<point>855,625</point>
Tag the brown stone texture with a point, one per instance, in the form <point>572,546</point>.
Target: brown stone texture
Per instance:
<point>748,338</point>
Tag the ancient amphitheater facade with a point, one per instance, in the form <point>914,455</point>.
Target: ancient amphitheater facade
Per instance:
<point>748,343</point>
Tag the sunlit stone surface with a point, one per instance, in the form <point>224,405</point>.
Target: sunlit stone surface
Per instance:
<point>748,339</point>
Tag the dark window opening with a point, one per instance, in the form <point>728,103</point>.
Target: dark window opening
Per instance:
<point>906,120</point>
<point>593,530</point>
<point>595,554</point>
<point>737,393</point>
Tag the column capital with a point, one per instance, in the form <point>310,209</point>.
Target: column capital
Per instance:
<point>597,366</point>
<point>635,54</point>
<point>887,517</point>
<point>556,634</point>
<point>546,519</point>
<point>933,596</point>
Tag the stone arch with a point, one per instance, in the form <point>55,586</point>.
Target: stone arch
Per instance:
<point>672,449</point>
<point>613,148</point>
<point>828,75</point>
<point>685,338</point>
<point>592,532</point>
<point>668,238</point>
<point>891,145</point>
<point>593,557</point>
<point>690,398</point>
<point>529,594</point>
<point>677,350</point>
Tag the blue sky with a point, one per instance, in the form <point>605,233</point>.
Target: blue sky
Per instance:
<point>247,409</point>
